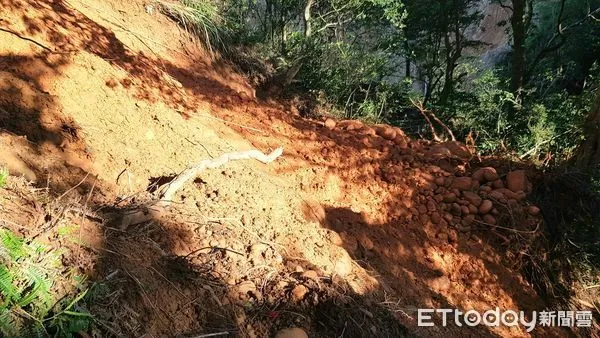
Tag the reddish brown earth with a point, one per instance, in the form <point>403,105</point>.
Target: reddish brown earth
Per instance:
<point>348,233</point>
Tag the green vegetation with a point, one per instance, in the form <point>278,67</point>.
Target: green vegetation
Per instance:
<point>30,304</point>
<point>3,177</point>
<point>366,59</point>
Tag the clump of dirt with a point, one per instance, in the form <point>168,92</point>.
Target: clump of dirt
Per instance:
<point>348,233</point>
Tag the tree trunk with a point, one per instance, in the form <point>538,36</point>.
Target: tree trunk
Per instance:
<point>588,155</point>
<point>307,16</point>
<point>518,23</point>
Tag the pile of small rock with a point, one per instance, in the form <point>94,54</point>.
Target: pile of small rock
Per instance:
<point>463,201</point>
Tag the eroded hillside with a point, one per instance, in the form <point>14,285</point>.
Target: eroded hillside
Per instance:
<point>347,233</point>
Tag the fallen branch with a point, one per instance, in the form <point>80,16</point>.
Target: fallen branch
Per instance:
<point>191,172</point>
<point>419,106</point>
<point>144,214</point>
<point>428,115</point>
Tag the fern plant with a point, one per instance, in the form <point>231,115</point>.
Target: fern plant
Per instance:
<point>28,306</point>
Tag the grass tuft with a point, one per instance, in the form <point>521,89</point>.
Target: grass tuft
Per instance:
<point>200,17</point>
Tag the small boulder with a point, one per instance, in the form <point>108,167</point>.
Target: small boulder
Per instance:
<point>299,291</point>
<point>310,274</point>
<point>517,181</point>
<point>450,197</point>
<point>401,142</point>
<point>386,132</point>
<point>468,220</point>
<point>330,124</point>
<point>489,219</point>
<point>294,332</point>
<point>490,174</point>
<point>436,218</point>
<point>462,183</point>
<point>487,174</point>
<point>472,197</point>
<point>533,210</point>
<point>486,206</point>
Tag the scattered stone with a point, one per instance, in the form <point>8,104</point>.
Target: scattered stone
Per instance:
<point>294,332</point>
<point>473,209</point>
<point>436,218</point>
<point>386,132</point>
<point>330,124</point>
<point>485,207</point>
<point>449,197</point>
<point>439,151</point>
<point>443,236</point>
<point>490,174</point>
<point>463,183</point>
<point>298,292</point>
<point>401,142</point>
<point>485,188</point>
<point>489,219</point>
<point>533,210</point>
<point>452,236</point>
<point>468,220</point>
<point>456,209</point>
<point>472,197</point>
<point>486,174</point>
<point>498,195</point>
<point>310,274</point>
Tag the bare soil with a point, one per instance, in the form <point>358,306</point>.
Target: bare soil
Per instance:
<point>338,236</point>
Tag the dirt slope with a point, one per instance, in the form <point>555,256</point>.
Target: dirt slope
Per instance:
<point>348,232</point>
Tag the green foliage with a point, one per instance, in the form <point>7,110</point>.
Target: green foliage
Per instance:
<point>28,308</point>
<point>364,58</point>
<point>480,107</point>
<point>3,176</point>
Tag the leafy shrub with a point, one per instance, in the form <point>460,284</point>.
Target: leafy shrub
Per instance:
<point>28,306</point>
<point>481,107</point>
